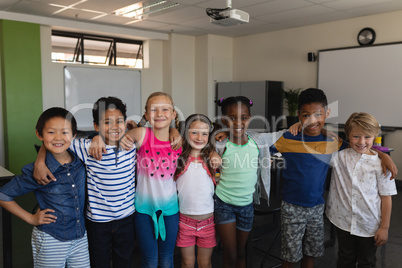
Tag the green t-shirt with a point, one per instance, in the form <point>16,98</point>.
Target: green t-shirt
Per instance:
<point>238,173</point>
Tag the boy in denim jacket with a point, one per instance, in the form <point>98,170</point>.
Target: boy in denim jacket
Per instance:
<point>59,236</point>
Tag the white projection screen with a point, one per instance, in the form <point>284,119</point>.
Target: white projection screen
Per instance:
<point>363,79</point>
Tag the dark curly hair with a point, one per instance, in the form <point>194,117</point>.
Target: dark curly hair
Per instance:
<point>225,103</point>
<point>105,103</point>
<point>312,95</point>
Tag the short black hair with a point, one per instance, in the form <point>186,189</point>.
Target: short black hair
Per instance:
<point>55,112</point>
<point>105,103</point>
<point>312,95</point>
<point>225,103</point>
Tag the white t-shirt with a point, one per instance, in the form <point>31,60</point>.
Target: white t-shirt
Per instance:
<point>357,182</point>
<point>195,190</point>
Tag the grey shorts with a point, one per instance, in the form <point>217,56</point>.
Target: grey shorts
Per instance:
<point>302,230</point>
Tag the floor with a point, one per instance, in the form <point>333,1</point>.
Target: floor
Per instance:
<point>388,256</point>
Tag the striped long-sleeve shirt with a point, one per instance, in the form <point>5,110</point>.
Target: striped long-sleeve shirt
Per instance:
<point>110,182</point>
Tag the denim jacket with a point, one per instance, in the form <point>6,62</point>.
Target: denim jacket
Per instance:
<point>66,196</point>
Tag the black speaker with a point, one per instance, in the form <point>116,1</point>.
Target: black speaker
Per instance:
<point>310,56</point>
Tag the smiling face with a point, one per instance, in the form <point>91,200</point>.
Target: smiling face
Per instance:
<point>56,136</point>
<point>312,117</point>
<point>198,135</point>
<point>237,118</point>
<point>159,112</point>
<point>111,126</point>
<point>360,141</point>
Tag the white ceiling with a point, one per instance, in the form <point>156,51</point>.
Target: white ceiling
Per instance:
<point>190,17</point>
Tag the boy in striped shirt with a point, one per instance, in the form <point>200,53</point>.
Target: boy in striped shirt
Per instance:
<point>110,187</point>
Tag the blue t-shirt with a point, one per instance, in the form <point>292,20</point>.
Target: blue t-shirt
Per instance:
<point>307,161</point>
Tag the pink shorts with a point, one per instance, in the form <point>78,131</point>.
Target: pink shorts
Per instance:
<point>194,232</point>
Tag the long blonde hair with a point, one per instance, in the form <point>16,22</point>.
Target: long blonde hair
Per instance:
<point>156,94</point>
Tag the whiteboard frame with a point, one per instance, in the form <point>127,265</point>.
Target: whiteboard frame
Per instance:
<point>335,105</point>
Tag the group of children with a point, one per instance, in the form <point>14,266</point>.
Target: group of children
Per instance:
<point>136,184</point>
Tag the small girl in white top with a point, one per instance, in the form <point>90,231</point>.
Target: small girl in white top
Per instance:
<point>359,201</point>
<point>195,180</point>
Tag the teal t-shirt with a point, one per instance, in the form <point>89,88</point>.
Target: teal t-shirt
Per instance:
<point>238,173</point>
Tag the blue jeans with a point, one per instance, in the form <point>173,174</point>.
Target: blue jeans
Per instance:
<point>111,242</point>
<point>155,252</point>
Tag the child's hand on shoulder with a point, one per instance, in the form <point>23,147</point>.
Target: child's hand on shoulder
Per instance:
<point>127,143</point>
<point>220,136</point>
<point>97,147</point>
<point>295,128</point>
<point>43,217</point>
<point>131,124</point>
<point>387,164</point>
<point>175,139</point>
<point>41,173</point>
<point>215,160</point>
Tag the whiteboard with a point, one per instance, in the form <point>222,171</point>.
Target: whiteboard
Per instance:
<point>363,79</point>
<point>83,86</point>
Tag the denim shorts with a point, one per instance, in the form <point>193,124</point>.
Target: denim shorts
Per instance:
<point>302,231</point>
<point>242,215</point>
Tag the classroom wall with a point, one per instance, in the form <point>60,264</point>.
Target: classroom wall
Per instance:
<point>182,53</point>
<point>52,73</point>
<point>282,55</point>
<point>220,66</point>
<point>214,64</point>
<point>21,89</point>
<point>2,160</point>
<point>151,75</point>
<point>202,80</point>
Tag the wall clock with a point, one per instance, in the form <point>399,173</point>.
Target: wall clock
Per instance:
<point>366,37</point>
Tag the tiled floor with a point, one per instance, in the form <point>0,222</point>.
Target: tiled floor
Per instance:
<point>389,256</point>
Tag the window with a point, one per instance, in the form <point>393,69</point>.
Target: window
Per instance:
<point>97,50</point>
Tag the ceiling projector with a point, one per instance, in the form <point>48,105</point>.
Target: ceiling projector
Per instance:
<point>230,17</point>
<point>227,16</point>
